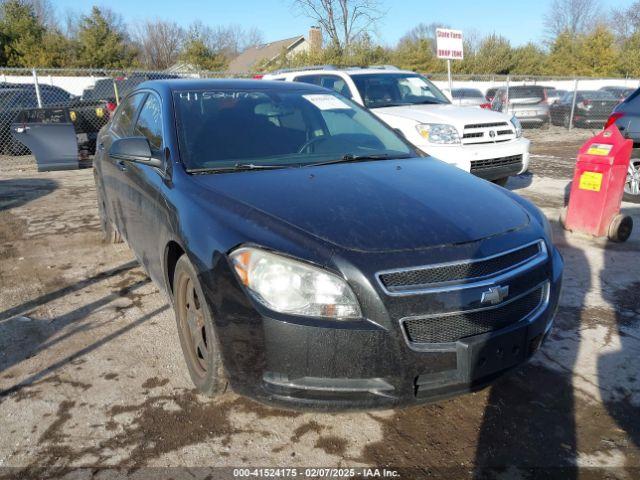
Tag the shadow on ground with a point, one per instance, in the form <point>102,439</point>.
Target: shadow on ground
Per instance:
<point>17,192</point>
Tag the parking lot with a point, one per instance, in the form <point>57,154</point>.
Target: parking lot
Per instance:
<point>91,371</point>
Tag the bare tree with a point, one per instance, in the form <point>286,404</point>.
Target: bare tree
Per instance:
<point>228,40</point>
<point>342,21</point>
<point>160,43</point>
<point>572,16</point>
<point>626,21</point>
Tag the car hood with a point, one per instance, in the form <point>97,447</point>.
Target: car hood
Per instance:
<point>379,206</point>
<point>450,114</point>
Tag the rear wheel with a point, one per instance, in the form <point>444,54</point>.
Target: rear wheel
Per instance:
<point>195,329</point>
<point>632,185</point>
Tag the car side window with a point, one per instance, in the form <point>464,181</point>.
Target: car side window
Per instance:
<point>125,115</point>
<point>332,82</point>
<point>149,122</point>
<point>312,79</point>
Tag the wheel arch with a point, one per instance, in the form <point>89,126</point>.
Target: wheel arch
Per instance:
<point>172,252</point>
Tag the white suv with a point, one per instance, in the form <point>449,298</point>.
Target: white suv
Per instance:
<point>486,143</point>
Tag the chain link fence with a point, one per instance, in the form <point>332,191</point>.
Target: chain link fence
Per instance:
<point>91,95</point>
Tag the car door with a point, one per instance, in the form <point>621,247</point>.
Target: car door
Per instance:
<point>111,171</point>
<point>146,186</point>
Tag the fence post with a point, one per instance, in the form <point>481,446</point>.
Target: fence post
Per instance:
<point>507,100</point>
<point>37,87</point>
<point>573,103</point>
<point>115,91</point>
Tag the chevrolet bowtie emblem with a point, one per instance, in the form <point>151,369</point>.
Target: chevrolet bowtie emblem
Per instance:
<point>494,295</point>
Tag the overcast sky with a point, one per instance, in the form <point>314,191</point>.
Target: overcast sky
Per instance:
<point>518,20</point>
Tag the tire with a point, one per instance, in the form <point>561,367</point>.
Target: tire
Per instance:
<point>110,233</point>
<point>197,334</point>
<point>632,187</point>
<point>501,181</point>
<point>620,228</point>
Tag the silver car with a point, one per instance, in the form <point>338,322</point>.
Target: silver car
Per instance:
<point>528,103</point>
<point>467,97</point>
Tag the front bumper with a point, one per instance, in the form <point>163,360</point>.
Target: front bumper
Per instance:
<point>310,364</point>
<point>464,156</point>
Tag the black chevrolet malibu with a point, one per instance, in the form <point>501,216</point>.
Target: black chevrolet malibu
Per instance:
<point>313,258</point>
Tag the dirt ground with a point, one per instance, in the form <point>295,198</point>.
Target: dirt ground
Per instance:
<point>91,372</point>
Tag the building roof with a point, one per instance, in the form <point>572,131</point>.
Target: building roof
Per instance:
<point>246,61</point>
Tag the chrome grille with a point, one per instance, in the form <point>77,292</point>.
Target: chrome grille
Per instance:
<point>478,133</point>
<point>463,271</point>
<point>448,328</point>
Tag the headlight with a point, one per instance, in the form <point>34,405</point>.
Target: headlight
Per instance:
<point>517,125</point>
<point>438,133</point>
<point>293,287</point>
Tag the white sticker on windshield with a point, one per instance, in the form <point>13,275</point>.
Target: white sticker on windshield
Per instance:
<point>326,102</point>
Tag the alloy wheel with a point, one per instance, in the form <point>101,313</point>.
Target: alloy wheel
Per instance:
<point>632,186</point>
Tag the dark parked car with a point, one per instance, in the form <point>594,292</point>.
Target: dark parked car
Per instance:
<point>619,92</point>
<point>491,92</point>
<point>592,109</point>
<point>313,259</point>
<point>626,116</point>
<point>527,103</point>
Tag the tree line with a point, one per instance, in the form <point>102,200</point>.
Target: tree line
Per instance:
<point>101,40</point>
<point>580,40</point>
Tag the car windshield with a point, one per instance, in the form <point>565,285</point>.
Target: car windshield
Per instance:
<point>222,129</point>
<point>395,89</point>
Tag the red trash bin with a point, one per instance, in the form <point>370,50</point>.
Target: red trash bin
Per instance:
<point>598,186</point>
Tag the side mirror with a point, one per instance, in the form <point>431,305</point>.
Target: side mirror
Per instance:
<point>134,149</point>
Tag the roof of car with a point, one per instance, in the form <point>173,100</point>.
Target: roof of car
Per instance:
<point>225,84</point>
<point>369,71</point>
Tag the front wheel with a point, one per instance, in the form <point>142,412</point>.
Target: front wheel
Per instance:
<point>196,331</point>
<point>632,185</point>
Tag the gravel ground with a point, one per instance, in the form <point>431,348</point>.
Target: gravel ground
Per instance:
<point>91,372</point>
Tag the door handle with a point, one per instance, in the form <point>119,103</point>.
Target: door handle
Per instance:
<point>122,165</point>
<point>22,129</point>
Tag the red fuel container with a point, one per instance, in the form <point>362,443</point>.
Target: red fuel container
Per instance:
<point>598,186</point>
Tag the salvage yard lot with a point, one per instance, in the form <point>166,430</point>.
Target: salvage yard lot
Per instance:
<point>91,371</point>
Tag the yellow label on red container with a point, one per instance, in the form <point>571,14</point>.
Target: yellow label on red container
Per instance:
<point>600,149</point>
<point>590,181</point>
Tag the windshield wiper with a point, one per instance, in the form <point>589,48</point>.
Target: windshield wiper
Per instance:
<point>238,167</point>
<point>350,158</point>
